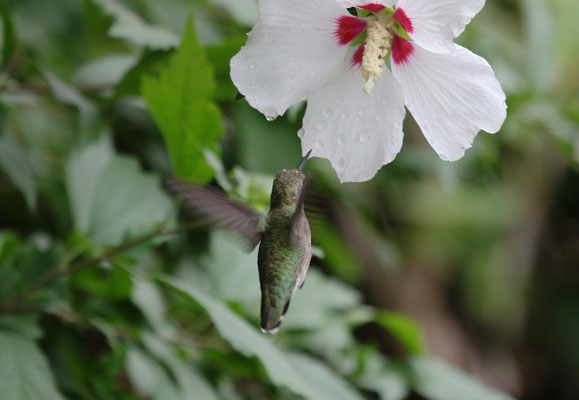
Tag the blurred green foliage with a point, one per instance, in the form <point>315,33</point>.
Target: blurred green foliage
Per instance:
<point>104,296</point>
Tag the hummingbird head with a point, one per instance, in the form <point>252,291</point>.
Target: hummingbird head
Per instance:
<point>288,184</point>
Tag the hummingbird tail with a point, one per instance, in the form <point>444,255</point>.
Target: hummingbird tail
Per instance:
<point>271,318</point>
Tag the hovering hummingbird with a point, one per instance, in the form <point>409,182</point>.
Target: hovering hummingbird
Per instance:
<point>284,232</point>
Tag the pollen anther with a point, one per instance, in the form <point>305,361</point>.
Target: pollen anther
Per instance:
<point>378,44</point>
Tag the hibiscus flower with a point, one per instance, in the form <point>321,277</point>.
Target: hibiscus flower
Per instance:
<point>317,50</point>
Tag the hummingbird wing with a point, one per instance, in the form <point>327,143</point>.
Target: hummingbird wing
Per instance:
<point>220,210</point>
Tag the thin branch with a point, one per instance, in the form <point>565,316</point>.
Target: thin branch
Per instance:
<point>10,303</point>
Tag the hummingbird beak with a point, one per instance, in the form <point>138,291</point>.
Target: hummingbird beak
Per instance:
<point>303,161</point>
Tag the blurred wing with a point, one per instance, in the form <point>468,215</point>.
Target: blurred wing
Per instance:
<point>219,210</point>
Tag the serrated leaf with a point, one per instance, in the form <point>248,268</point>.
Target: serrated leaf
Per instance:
<point>24,372</point>
<point>438,380</point>
<point>111,197</point>
<point>180,100</point>
<point>248,341</point>
<point>129,26</point>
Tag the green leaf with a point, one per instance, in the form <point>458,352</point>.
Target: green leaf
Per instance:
<point>150,63</point>
<point>228,272</point>
<point>438,380</point>
<point>243,11</point>
<point>403,328</point>
<point>320,299</point>
<point>68,94</point>
<point>382,377</point>
<point>24,264</point>
<point>219,56</point>
<point>248,341</point>
<point>24,372</point>
<point>190,383</point>
<point>111,197</point>
<point>264,146</point>
<point>15,162</point>
<point>7,35</point>
<point>180,101</point>
<point>129,26</point>
<point>149,298</point>
<point>325,382</point>
<point>105,71</point>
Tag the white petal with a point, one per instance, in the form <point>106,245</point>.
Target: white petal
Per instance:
<point>451,96</point>
<point>357,132</point>
<point>291,51</point>
<point>437,23</point>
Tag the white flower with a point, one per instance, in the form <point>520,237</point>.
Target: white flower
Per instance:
<point>315,50</point>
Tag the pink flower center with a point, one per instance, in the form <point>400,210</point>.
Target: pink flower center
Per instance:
<point>402,18</point>
<point>348,28</point>
<point>358,55</point>
<point>372,7</point>
<point>402,49</point>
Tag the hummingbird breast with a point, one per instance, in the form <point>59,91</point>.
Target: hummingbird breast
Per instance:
<point>283,264</point>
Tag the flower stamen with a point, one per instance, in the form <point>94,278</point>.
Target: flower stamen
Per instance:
<point>378,43</point>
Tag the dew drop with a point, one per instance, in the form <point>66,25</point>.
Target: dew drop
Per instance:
<point>340,139</point>
<point>344,114</point>
<point>328,112</point>
<point>322,125</point>
<point>270,118</point>
<point>361,113</point>
<point>339,100</point>
<point>252,66</point>
<point>319,144</point>
<point>377,118</point>
<point>301,133</point>
<point>363,137</point>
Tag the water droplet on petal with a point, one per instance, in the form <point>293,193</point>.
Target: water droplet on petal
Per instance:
<point>344,114</point>
<point>322,125</point>
<point>340,139</point>
<point>319,144</point>
<point>270,117</point>
<point>377,118</point>
<point>363,137</point>
<point>301,133</point>
<point>361,113</point>
<point>328,112</point>
<point>252,66</point>
<point>339,100</point>
<point>342,164</point>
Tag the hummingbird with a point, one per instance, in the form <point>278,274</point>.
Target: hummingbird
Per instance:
<point>285,249</point>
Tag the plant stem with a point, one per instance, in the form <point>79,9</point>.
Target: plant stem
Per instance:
<point>11,303</point>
